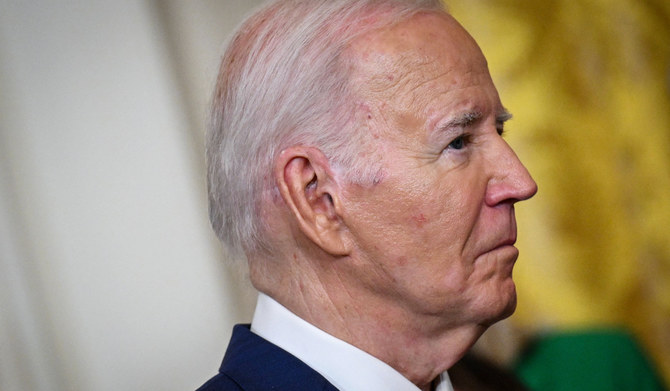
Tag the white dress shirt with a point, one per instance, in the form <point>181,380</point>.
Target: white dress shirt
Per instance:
<point>342,364</point>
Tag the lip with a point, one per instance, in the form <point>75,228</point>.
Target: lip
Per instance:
<point>503,244</point>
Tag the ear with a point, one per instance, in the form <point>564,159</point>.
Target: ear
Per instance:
<point>308,187</point>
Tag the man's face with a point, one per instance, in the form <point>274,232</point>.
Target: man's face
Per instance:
<point>434,233</point>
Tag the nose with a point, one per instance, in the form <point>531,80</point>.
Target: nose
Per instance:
<point>509,181</point>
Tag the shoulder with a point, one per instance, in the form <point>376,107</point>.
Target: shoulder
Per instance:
<point>251,363</point>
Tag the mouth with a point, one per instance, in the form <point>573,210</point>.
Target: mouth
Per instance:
<point>505,243</point>
<point>502,249</point>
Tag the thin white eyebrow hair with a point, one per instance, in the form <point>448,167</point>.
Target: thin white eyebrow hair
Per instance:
<point>468,118</point>
<point>463,120</point>
<point>503,116</point>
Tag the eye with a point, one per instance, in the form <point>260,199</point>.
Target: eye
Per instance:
<point>459,142</point>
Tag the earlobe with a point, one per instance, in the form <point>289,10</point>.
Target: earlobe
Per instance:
<point>312,195</point>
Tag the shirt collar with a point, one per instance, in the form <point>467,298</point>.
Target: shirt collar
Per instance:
<point>333,358</point>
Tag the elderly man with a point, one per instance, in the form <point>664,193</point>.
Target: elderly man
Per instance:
<point>356,161</point>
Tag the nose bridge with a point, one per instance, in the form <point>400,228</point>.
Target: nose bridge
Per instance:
<point>509,180</point>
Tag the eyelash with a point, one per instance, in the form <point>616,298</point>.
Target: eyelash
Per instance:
<point>464,139</point>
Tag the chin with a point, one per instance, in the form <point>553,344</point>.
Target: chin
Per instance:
<point>509,309</point>
<point>503,308</point>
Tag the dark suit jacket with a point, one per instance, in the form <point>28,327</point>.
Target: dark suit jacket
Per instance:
<point>253,364</point>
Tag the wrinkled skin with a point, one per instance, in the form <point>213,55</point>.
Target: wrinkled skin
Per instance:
<point>434,233</point>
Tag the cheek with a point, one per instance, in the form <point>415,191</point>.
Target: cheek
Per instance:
<point>423,223</point>
<point>446,226</point>
<point>447,214</point>
<point>418,220</point>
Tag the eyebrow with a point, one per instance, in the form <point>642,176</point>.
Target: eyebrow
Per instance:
<point>503,116</point>
<point>463,120</point>
<point>468,118</point>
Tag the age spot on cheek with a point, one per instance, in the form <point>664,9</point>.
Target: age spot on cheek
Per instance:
<point>420,220</point>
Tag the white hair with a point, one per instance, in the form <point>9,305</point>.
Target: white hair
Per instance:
<point>283,82</point>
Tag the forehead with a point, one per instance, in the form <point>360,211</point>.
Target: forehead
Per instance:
<point>423,32</point>
<point>414,60</point>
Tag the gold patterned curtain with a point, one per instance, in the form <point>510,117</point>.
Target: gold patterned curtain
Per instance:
<point>589,84</point>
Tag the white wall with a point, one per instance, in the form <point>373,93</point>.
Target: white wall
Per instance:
<point>110,277</point>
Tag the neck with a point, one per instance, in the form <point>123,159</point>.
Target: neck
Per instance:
<point>420,348</point>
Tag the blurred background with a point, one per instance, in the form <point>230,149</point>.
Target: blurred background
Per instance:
<point>110,277</point>
<point>589,84</point>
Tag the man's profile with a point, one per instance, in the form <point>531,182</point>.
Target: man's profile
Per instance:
<point>356,161</point>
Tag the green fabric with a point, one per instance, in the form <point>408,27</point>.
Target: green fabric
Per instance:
<point>594,360</point>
